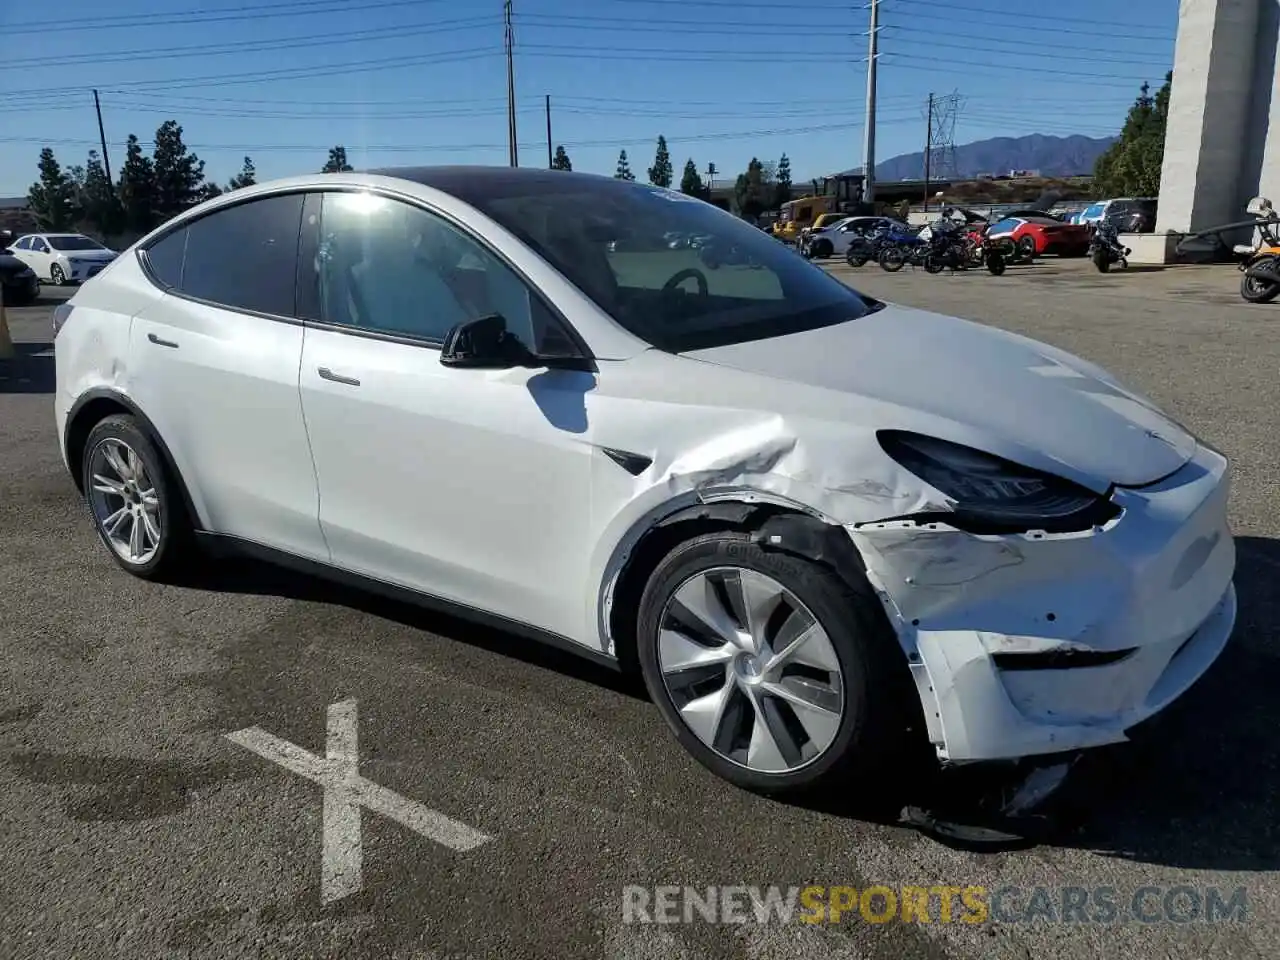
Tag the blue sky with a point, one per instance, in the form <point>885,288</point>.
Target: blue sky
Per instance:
<point>424,81</point>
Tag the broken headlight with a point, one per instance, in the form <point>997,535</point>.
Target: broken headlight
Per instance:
<point>994,495</point>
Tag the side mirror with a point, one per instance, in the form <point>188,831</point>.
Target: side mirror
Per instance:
<point>484,342</point>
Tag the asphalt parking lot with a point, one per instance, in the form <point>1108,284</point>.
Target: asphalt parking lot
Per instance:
<point>134,827</point>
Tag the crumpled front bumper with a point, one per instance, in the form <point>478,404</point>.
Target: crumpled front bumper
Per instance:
<point>1036,643</point>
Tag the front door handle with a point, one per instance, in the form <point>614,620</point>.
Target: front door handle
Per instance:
<point>161,343</point>
<point>327,374</point>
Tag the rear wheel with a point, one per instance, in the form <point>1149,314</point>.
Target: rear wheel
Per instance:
<point>1027,247</point>
<point>136,506</point>
<point>1258,289</point>
<point>892,259</point>
<point>821,249</point>
<point>1101,260</point>
<point>770,669</point>
<point>932,264</point>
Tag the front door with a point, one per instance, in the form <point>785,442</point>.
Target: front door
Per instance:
<point>470,485</point>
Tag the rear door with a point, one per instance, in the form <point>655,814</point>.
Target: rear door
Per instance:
<point>215,366</point>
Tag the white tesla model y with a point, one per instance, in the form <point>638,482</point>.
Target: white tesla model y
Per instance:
<point>811,519</point>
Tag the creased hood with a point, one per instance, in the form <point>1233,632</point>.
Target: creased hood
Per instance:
<point>1013,396</point>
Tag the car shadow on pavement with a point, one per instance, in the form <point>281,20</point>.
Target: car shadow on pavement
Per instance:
<point>30,370</point>
<point>255,577</point>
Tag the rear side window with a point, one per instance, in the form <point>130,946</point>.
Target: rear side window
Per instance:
<point>165,259</point>
<point>246,256</point>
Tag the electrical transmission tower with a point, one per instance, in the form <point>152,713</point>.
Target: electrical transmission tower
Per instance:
<point>940,151</point>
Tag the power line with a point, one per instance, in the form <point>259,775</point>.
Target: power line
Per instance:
<point>247,46</point>
<point>259,11</point>
<point>968,10</point>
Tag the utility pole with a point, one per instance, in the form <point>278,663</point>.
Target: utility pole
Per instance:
<point>928,150</point>
<point>551,163</point>
<point>711,179</point>
<point>102,135</point>
<point>511,84</point>
<point>869,141</point>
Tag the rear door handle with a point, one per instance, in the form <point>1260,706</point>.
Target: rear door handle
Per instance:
<point>327,374</point>
<point>161,343</point>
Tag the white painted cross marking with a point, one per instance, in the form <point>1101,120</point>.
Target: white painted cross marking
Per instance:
<point>345,793</point>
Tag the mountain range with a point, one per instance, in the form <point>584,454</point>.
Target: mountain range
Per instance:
<point>1049,156</point>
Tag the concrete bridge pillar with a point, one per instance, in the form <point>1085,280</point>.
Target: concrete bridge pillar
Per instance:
<point>1212,129</point>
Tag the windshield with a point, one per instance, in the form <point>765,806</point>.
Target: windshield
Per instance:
<point>73,243</point>
<point>731,283</point>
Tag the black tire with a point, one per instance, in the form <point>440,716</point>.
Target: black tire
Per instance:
<point>56,276</point>
<point>857,257</point>
<point>822,249</point>
<point>1101,261</point>
<point>1257,290</point>
<point>175,545</point>
<point>892,259</point>
<point>876,683</point>
<point>995,263</point>
<point>932,264</point>
<point>1027,247</point>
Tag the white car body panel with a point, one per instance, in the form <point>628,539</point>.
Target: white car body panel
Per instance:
<point>77,265</point>
<point>491,488</point>
<point>424,469</point>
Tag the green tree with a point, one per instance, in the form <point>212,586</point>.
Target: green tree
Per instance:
<point>690,181</point>
<point>247,176</point>
<point>137,187</point>
<point>624,168</point>
<point>661,173</point>
<point>561,160</point>
<point>208,192</point>
<point>179,173</point>
<point>782,181</point>
<point>53,196</point>
<point>337,161</point>
<point>1131,165</point>
<point>751,191</point>
<point>98,201</point>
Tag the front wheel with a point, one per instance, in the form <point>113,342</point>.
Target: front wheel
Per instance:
<point>56,276</point>
<point>1027,247</point>
<point>1101,260</point>
<point>995,263</point>
<point>932,264</point>
<point>821,249</point>
<point>770,669</point>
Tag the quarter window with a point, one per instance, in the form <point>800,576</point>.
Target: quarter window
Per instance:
<point>246,256</point>
<point>165,258</point>
<point>389,267</point>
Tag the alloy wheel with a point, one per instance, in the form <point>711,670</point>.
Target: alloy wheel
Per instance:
<point>750,670</point>
<point>124,501</point>
<point>57,276</point>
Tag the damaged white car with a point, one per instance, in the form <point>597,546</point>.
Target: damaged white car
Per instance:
<point>812,520</point>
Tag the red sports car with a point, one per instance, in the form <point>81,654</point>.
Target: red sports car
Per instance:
<point>1036,236</point>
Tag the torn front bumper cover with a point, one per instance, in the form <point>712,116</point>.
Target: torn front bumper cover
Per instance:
<point>1037,643</point>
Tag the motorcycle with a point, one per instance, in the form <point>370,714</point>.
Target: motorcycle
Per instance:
<point>1105,248</point>
<point>947,248</point>
<point>900,251</point>
<point>1259,262</point>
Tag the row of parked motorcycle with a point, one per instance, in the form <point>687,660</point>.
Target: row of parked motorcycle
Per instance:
<point>950,243</point>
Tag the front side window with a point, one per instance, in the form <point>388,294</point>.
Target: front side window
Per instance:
<point>390,267</point>
<point>607,238</point>
<point>245,257</point>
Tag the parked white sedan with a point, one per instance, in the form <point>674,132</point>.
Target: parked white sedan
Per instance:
<point>819,524</point>
<point>60,258</point>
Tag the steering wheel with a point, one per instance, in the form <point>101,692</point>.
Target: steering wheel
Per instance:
<point>679,278</point>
